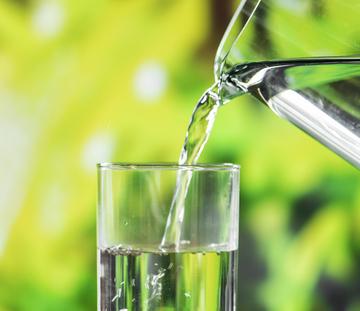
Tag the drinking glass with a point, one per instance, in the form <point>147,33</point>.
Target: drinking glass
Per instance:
<point>134,271</point>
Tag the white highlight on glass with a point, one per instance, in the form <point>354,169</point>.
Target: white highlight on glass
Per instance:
<point>315,120</point>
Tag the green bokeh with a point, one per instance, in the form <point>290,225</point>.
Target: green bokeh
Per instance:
<point>67,100</point>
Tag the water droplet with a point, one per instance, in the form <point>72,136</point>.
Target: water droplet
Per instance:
<point>156,264</point>
<point>125,223</point>
<point>147,281</point>
<point>187,295</point>
<point>115,297</point>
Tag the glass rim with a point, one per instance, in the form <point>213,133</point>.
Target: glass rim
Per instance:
<point>124,166</point>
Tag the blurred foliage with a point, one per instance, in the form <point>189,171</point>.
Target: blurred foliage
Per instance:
<point>89,81</point>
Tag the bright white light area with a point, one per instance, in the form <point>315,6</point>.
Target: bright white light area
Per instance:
<point>319,121</point>
<point>150,81</point>
<point>16,151</point>
<point>293,5</point>
<point>48,18</point>
<point>52,209</point>
<point>99,148</point>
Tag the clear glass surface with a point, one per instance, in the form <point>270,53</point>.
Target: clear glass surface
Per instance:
<point>301,59</point>
<point>267,30</point>
<point>134,272</point>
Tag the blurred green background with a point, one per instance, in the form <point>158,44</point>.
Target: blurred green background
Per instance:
<point>89,81</point>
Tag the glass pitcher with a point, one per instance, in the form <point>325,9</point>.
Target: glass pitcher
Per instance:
<point>301,58</point>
